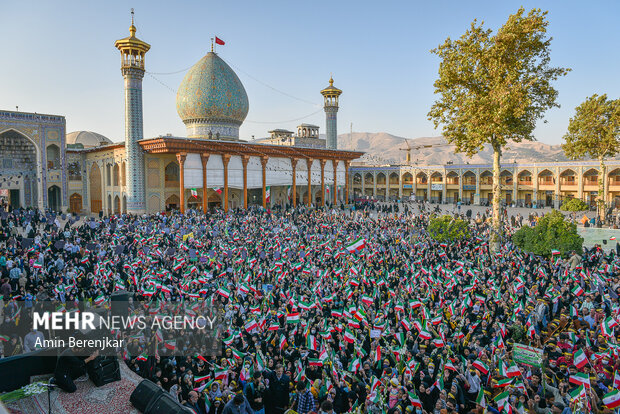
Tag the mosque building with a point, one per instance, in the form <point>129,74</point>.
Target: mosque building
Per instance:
<point>84,172</point>
<point>43,166</point>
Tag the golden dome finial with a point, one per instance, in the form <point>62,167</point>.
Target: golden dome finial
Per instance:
<point>331,79</point>
<point>132,28</point>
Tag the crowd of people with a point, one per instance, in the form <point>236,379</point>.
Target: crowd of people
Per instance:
<point>333,311</point>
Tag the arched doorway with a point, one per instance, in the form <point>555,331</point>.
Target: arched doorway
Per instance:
<point>53,198</point>
<point>75,203</point>
<point>109,205</point>
<point>94,180</point>
<point>215,199</point>
<point>173,202</point>
<point>24,156</point>
<point>194,202</point>
<point>124,210</point>
<point>117,205</point>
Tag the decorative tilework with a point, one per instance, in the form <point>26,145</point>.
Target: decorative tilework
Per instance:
<point>331,126</point>
<point>36,127</point>
<point>133,133</point>
<point>212,97</point>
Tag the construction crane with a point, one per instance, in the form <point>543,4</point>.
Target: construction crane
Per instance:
<point>417,147</point>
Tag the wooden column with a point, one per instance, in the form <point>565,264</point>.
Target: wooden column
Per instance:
<point>205,199</point>
<point>244,160</point>
<point>263,162</point>
<point>225,160</point>
<point>347,164</point>
<point>181,159</point>
<point>309,164</point>
<point>322,162</point>
<point>294,193</point>
<point>335,164</point>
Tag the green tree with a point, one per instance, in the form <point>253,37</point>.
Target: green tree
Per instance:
<point>594,131</point>
<point>447,228</point>
<point>573,205</point>
<point>553,232</point>
<point>494,87</point>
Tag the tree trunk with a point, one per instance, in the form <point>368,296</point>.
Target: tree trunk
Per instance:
<point>494,240</point>
<point>600,202</point>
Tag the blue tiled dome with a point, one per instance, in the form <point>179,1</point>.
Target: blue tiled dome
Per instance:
<point>211,100</point>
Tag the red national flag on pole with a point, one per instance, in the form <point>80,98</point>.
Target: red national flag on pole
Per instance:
<point>219,41</point>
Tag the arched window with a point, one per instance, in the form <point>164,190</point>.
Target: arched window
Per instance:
<point>53,156</point>
<point>115,175</point>
<point>172,174</point>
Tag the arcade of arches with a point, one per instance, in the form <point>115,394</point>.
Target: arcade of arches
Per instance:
<point>521,185</point>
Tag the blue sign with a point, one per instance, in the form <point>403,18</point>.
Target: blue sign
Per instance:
<point>470,187</point>
<point>407,186</point>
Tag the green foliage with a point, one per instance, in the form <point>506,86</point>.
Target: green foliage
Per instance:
<point>494,87</point>
<point>517,332</point>
<point>595,131</point>
<point>447,229</point>
<point>574,204</point>
<point>553,231</point>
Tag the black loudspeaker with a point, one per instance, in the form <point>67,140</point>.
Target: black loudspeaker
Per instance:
<point>164,404</point>
<point>120,303</point>
<point>103,370</point>
<point>146,392</point>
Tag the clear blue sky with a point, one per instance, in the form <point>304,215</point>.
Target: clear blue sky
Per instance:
<point>59,58</point>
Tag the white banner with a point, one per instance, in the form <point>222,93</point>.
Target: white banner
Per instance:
<point>192,173</point>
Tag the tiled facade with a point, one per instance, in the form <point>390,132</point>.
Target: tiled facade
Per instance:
<point>211,100</point>
<point>133,133</point>
<point>527,184</point>
<point>33,166</point>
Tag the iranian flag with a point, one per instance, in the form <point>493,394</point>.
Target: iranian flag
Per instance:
<point>292,318</point>
<point>268,194</point>
<point>194,192</point>
<point>315,362</point>
<point>502,400</point>
<point>4,338</point>
<point>612,400</point>
<point>481,366</point>
<point>219,373</point>
<point>616,379</point>
<point>580,359</point>
<point>217,190</point>
<point>349,336</point>
<point>170,345</point>
<point>201,378</point>
<point>223,292</point>
<point>578,393</point>
<point>357,245</point>
<point>580,379</point>
<point>425,335</point>
<point>142,357</point>
<point>480,398</point>
<point>99,299</point>
<point>251,325</point>
<point>260,362</point>
<point>513,371</point>
<point>415,401</point>
<point>577,291</point>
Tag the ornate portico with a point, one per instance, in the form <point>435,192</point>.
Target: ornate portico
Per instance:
<point>271,166</point>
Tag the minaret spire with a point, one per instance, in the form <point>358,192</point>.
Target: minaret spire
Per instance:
<point>133,52</point>
<point>330,97</point>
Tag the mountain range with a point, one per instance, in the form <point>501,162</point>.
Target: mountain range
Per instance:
<point>384,148</point>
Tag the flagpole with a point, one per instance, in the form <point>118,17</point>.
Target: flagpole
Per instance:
<point>212,46</point>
